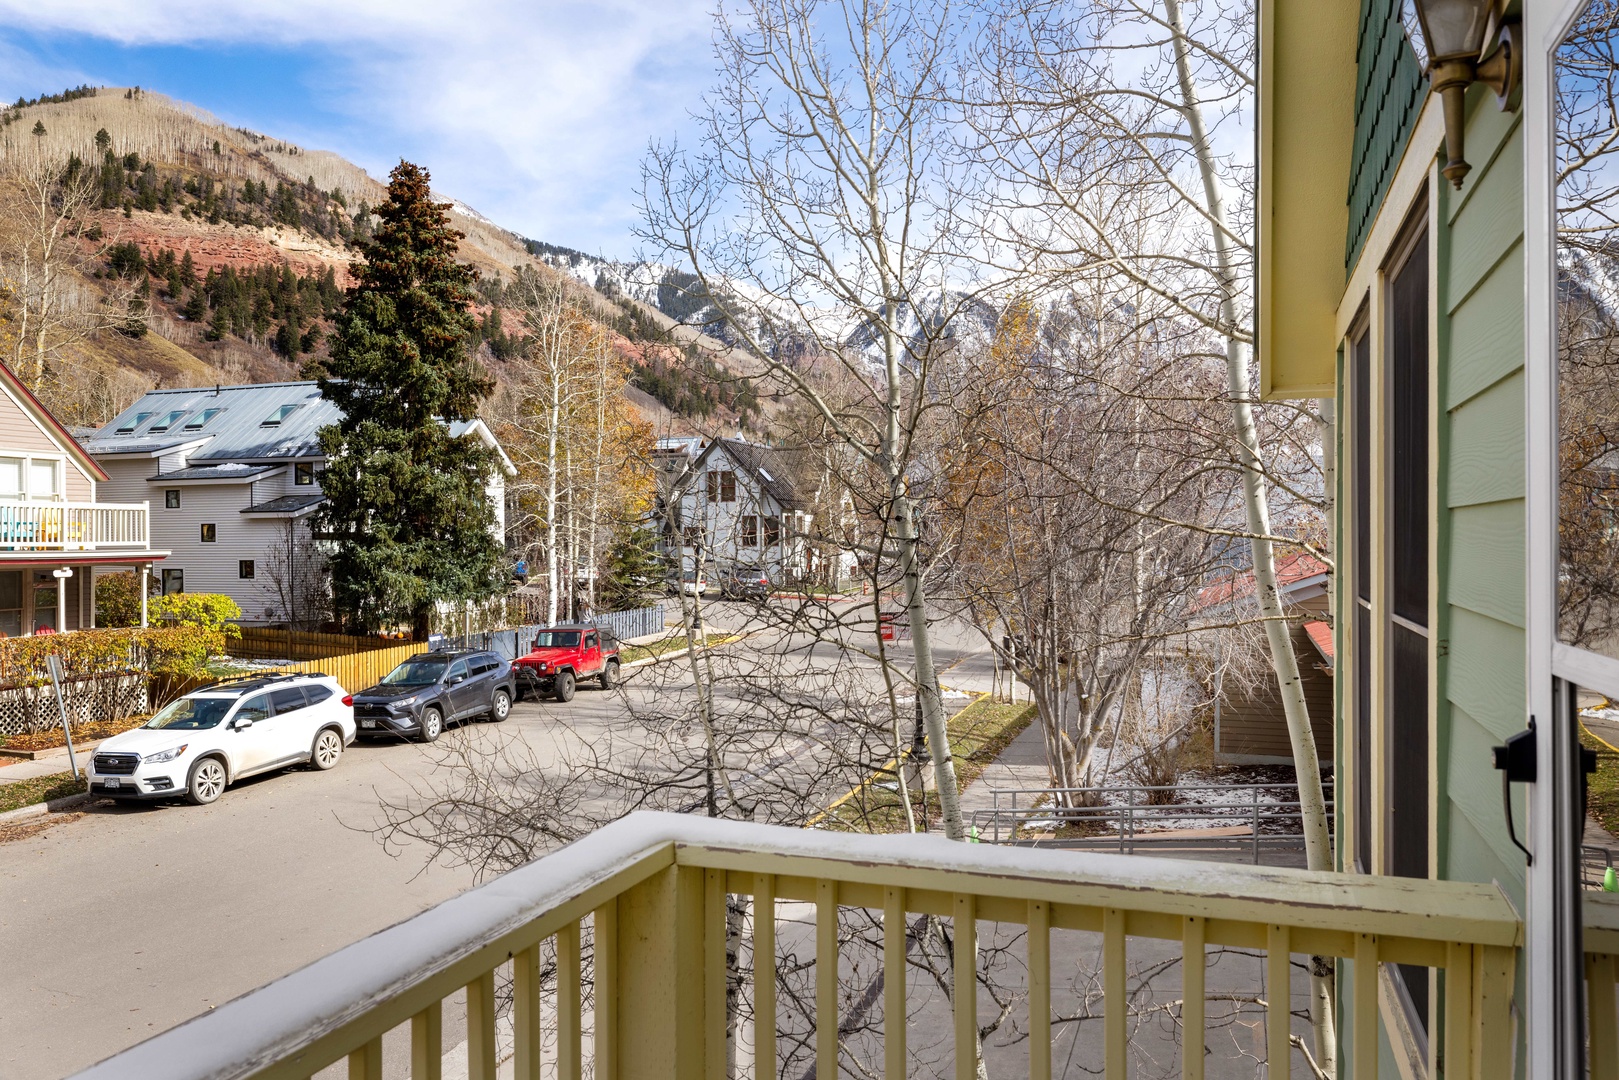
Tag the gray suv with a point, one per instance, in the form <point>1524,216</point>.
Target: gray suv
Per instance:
<point>431,690</point>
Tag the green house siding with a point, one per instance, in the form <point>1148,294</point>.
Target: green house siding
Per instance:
<point>1388,95</point>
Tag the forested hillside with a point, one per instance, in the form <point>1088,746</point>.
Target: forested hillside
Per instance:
<point>183,251</point>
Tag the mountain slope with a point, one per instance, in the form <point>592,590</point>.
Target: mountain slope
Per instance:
<point>264,231</point>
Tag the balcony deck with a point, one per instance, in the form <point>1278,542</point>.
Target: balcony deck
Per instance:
<point>646,900</point>
<point>31,528</point>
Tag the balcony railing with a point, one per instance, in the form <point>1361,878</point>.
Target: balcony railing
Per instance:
<point>72,526</point>
<point>650,894</point>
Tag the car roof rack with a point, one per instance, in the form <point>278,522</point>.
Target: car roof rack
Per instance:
<point>241,682</point>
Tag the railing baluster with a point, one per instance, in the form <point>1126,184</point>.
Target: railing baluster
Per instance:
<point>1458,1009</point>
<point>826,979</point>
<point>714,972</point>
<point>1599,995</point>
<point>1365,1019</point>
<point>481,1027</point>
<point>570,1003</point>
<point>1492,996</point>
<point>526,1014</point>
<point>1039,949</point>
<point>895,935</point>
<point>366,1062</point>
<point>965,985</point>
<point>1115,1010</point>
<point>1278,1003</point>
<point>1194,969</point>
<point>764,977</point>
<point>427,1043</point>
<point>605,1037</point>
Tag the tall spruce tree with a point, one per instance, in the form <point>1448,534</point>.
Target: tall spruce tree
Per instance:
<point>406,502</point>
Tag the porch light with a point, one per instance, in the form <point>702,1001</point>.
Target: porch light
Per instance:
<point>1455,33</point>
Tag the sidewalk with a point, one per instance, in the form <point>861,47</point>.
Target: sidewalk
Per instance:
<point>1021,765</point>
<point>12,771</point>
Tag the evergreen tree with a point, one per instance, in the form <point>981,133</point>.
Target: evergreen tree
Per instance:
<point>635,570</point>
<point>406,502</point>
<point>39,127</point>
<point>103,140</point>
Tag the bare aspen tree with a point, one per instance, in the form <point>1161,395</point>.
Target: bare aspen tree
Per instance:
<point>820,196</point>
<point>1131,82</point>
<point>46,262</point>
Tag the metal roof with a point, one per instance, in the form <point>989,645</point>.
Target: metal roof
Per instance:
<point>287,504</point>
<point>238,432</point>
<point>229,470</point>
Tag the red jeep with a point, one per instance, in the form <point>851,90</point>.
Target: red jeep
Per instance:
<point>563,656</point>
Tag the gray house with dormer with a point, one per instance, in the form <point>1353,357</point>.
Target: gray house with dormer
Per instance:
<point>232,474</point>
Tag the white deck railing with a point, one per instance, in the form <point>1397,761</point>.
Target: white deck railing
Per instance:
<point>635,919</point>
<point>72,526</point>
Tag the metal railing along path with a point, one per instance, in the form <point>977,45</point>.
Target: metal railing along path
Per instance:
<point>652,892</point>
<point>1126,817</point>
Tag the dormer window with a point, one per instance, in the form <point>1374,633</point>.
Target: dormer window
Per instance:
<point>200,421</point>
<point>275,418</point>
<point>134,422</point>
<point>167,420</point>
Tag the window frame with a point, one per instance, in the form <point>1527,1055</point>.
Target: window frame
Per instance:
<point>207,532</point>
<point>171,498</point>
<point>245,570</point>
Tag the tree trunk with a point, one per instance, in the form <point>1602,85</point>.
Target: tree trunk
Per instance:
<point>1307,767</point>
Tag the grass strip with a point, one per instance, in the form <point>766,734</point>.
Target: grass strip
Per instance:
<point>677,643</point>
<point>1603,793</point>
<point>978,734</point>
<point>38,789</point>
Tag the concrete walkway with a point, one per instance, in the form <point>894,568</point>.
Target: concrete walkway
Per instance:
<point>13,770</point>
<point>1021,765</point>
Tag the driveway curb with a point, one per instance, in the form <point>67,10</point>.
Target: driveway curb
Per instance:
<point>55,806</point>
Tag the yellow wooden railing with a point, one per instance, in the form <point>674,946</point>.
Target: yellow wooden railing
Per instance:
<point>652,890</point>
<point>1601,975</point>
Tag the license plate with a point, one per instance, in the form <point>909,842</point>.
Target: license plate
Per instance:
<point>113,782</point>
<point>368,723</point>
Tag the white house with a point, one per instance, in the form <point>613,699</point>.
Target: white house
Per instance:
<point>232,474</point>
<point>742,504</point>
<point>55,530</point>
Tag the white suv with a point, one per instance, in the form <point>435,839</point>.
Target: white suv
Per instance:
<point>210,738</point>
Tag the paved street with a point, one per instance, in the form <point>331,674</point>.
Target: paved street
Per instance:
<point>123,921</point>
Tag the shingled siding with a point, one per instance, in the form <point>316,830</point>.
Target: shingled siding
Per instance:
<point>1481,524</point>
<point>1388,95</point>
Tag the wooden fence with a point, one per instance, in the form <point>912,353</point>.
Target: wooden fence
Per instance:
<point>265,643</point>
<point>361,670</point>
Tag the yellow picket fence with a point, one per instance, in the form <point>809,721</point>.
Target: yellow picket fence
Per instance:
<point>359,671</point>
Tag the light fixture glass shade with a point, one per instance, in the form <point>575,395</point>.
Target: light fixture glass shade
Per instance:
<point>1453,29</point>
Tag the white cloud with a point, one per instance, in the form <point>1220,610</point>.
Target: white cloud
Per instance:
<point>535,114</point>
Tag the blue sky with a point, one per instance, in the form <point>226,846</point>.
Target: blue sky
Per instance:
<point>536,114</point>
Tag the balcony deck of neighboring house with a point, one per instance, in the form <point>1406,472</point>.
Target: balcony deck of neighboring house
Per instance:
<point>56,534</point>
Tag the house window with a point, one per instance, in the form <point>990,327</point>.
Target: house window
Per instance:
<point>200,421</point>
<point>131,424</point>
<point>174,582</point>
<point>280,414</point>
<point>209,534</point>
<point>11,603</point>
<point>303,473</point>
<point>11,470</point>
<point>171,498</point>
<point>1404,685</point>
<point>43,478</point>
<point>691,536</point>
<point>750,530</point>
<point>772,531</point>
<point>167,420</point>
<point>728,487</point>
<point>244,569</point>
<point>713,480</point>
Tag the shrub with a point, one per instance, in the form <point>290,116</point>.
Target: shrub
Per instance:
<point>210,611</point>
<point>118,600</point>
